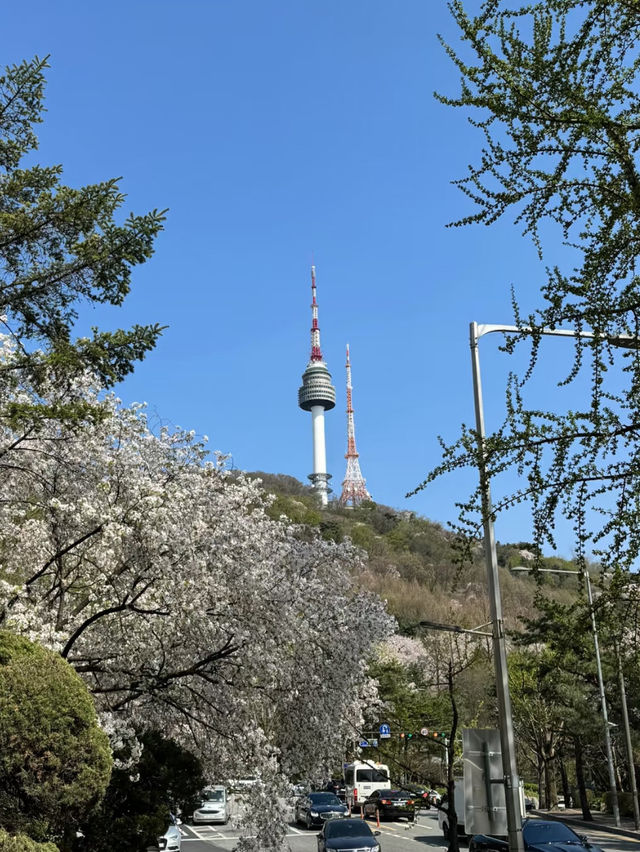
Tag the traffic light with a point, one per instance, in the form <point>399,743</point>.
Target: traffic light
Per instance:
<point>401,735</point>
<point>409,736</point>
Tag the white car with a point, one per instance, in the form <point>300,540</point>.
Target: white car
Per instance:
<point>171,840</point>
<point>215,806</point>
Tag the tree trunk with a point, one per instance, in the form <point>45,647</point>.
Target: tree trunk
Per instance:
<point>550,790</point>
<point>582,787</point>
<point>542,801</point>
<point>566,790</point>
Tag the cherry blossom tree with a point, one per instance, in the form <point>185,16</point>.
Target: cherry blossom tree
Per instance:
<point>160,577</point>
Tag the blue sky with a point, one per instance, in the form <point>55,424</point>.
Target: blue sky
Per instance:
<point>277,133</point>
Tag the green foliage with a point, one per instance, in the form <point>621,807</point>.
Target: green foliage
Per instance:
<point>22,843</point>
<point>135,810</point>
<point>412,561</point>
<point>55,761</point>
<point>61,247</point>
<point>625,804</point>
<point>409,704</point>
<point>552,87</point>
<point>301,510</point>
<point>331,530</point>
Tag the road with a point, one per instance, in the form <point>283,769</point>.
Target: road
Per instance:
<point>400,836</point>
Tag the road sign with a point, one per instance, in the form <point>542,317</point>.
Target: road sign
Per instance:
<point>424,732</point>
<point>373,743</point>
<point>485,809</point>
<point>364,743</point>
<point>385,732</point>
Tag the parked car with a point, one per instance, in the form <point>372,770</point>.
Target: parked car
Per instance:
<point>347,834</point>
<point>215,806</point>
<point>390,804</point>
<point>316,808</point>
<point>299,789</point>
<point>171,840</point>
<point>539,835</point>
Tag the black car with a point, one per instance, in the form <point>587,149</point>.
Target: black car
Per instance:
<point>316,808</point>
<point>390,804</point>
<point>347,834</point>
<point>539,835</point>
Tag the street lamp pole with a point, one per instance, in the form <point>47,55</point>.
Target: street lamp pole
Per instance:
<point>476,331</point>
<point>603,705</point>
<point>514,822</point>
<point>507,740</point>
<point>627,738</point>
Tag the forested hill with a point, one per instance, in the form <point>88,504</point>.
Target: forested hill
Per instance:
<point>412,561</point>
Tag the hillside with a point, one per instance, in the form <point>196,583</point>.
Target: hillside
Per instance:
<point>413,561</point>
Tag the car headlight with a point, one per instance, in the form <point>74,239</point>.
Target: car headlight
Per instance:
<point>375,848</point>
<point>313,813</point>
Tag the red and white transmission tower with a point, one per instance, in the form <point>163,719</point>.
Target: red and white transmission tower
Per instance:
<point>354,485</point>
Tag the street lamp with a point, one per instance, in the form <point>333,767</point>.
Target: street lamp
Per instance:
<point>603,699</point>
<point>505,719</point>
<point>514,822</point>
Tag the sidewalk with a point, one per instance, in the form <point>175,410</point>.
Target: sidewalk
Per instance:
<point>600,821</point>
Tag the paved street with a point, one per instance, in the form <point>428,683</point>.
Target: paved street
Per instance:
<point>399,836</point>
<point>394,836</point>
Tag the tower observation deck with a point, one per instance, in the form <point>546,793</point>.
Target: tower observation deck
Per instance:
<point>317,395</point>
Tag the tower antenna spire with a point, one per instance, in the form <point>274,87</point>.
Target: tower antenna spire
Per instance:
<point>316,352</point>
<point>354,485</point>
<point>317,395</point>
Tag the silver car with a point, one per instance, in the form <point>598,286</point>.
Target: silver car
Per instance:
<point>171,840</point>
<point>215,806</point>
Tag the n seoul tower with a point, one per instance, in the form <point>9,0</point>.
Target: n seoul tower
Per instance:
<point>317,395</point>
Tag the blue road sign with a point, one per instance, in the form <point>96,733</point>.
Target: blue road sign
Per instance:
<point>385,732</point>
<point>364,743</point>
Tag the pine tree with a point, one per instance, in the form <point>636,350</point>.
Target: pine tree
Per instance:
<point>60,247</point>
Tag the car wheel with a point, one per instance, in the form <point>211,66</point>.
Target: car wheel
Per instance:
<point>309,823</point>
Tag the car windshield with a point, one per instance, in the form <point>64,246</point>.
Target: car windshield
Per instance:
<point>347,828</point>
<point>213,796</point>
<point>324,799</point>
<point>548,832</point>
